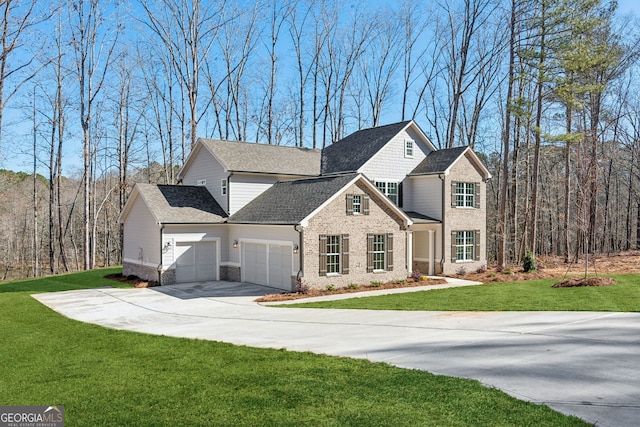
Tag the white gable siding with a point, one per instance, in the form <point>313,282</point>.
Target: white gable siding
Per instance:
<point>141,235</point>
<point>425,194</point>
<point>205,167</point>
<point>390,163</point>
<point>244,188</point>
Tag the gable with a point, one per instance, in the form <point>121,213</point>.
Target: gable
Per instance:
<point>443,161</point>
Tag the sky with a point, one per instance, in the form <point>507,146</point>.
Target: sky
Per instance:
<point>14,160</point>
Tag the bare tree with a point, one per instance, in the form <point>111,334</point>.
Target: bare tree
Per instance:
<point>94,47</point>
<point>187,31</point>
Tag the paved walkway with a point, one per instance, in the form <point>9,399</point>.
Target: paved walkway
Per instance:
<point>579,363</point>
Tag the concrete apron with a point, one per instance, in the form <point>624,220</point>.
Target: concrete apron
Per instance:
<point>578,363</point>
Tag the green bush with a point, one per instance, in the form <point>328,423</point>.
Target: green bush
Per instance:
<point>529,262</point>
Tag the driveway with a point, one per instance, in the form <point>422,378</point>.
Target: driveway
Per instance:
<point>579,363</point>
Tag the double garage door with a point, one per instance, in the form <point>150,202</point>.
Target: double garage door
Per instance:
<point>196,261</point>
<point>267,264</point>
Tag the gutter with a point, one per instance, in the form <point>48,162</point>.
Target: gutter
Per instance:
<point>161,246</point>
<point>300,231</point>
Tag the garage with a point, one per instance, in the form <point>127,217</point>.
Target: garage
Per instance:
<point>196,261</point>
<point>267,264</point>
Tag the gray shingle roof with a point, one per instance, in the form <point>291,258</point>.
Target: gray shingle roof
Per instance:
<point>264,158</point>
<point>419,218</point>
<point>289,202</point>
<point>353,151</point>
<point>181,204</point>
<point>438,161</point>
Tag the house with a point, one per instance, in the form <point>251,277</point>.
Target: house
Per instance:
<point>373,206</point>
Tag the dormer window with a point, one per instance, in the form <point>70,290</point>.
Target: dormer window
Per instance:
<point>408,148</point>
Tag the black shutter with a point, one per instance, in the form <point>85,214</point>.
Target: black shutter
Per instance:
<point>323,255</point>
<point>453,194</point>
<point>345,253</point>
<point>389,247</point>
<point>400,195</point>
<point>454,256</point>
<point>349,204</point>
<point>476,243</point>
<point>365,204</point>
<point>476,198</point>
<point>369,253</point>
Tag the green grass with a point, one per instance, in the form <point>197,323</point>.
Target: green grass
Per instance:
<point>120,378</point>
<point>534,295</point>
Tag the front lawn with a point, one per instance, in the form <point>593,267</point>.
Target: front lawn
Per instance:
<point>118,378</point>
<point>534,295</point>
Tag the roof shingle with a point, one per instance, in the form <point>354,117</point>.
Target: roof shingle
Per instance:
<point>263,158</point>
<point>438,161</point>
<point>181,204</point>
<point>289,202</point>
<point>353,151</point>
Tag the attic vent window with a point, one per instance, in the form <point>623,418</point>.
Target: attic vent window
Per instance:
<point>201,182</point>
<point>408,148</point>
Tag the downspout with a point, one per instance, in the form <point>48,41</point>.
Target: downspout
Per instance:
<point>443,220</point>
<point>229,193</point>
<point>300,231</point>
<point>161,249</point>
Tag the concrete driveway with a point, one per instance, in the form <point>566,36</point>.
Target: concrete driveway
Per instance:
<point>579,363</point>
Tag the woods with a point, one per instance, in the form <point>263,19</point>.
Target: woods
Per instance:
<point>96,96</point>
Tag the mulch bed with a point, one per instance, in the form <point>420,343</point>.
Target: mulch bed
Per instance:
<point>572,282</point>
<point>286,296</point>
<point>132,280</point>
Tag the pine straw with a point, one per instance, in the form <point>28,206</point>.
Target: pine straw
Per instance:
<point>286,296</point>
<point>584,281</point>
<point>134,281</point>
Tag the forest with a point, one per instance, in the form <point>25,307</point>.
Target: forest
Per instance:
<point>98,95</point>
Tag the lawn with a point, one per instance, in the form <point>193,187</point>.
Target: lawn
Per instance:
<point>534,295</point>
<point>118,378</point>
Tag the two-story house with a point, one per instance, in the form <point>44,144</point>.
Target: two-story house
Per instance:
<point>373,206</point>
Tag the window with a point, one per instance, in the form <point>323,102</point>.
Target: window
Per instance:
<point>357,204</point>
<point>464,194</point>
<point>334,254</point>
<point>465,245</point>
<point>201,182</point>
<point>379,252</point>
<point>389,189</point>
<point>408,148</point>
<point>223,186</point>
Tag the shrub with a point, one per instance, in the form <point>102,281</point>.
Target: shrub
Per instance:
<point>331,288</point>
<point>353,286</point>
<point>376,284</point>
<point>401,282</point>
<point>301,287</point>
<point>461,271</point>
<point>481,269</point>
<point>416,275</point>
<point>529,262</point>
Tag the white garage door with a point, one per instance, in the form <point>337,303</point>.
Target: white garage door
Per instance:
<point>267,264</point>
<point>196,262</point>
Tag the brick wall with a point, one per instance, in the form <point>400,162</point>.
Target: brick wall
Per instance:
<point>333,220</point>
<point>464,219</point>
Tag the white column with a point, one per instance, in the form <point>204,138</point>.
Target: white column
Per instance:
<point>409,251</point>
<point>432,253</point>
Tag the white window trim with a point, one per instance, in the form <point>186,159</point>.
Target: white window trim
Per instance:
<point>358,204</point>
<point>472,245</point>
<point>338,254</point>
<point>385,190</point>
<point>383,251</point>
<point>466,196</point>
<point>409,145</point>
